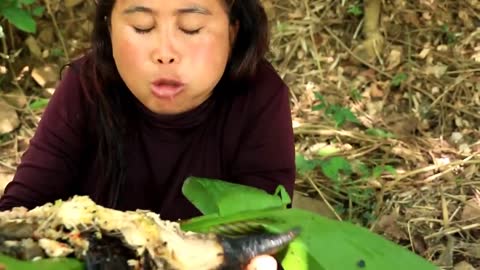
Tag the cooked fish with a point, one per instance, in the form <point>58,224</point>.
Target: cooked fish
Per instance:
<point>79,227</point>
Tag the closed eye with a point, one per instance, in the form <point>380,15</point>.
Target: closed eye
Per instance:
<point>142,30</point>
<point>186,31</point>
<point>191,32</point>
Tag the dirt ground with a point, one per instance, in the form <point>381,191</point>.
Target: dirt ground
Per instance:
<point>392,143</point>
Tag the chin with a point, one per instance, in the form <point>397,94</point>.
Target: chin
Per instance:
<point>170,107</point>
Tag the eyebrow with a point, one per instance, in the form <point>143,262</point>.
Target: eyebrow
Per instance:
<point>134,9</point>
<point>193,9</point>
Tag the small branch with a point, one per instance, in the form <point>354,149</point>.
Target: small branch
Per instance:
<point>452,231</point>
<point>324,199</point>
<point>430,168</point>
<point>9,167</point>
<point>57,29</point>
<point>8,59</point>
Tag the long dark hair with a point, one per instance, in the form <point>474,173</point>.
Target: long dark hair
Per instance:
<point>104,87</point>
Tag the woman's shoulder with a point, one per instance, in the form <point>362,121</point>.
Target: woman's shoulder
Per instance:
<point>69,100</point>
<point>266,80</point>
<point>263,89</point>
<point>72,86</point>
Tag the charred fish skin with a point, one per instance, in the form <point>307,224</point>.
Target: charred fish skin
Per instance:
<point>106,253</point>
<point>238,252</point>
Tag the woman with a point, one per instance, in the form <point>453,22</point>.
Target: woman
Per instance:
<point>170,89</point>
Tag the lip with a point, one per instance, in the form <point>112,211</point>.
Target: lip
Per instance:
<point>166,88</point>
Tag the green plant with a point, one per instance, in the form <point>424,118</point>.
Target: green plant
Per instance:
<point>356,95</point>
<point>355,10</point>
<point>451,37</point>
<point>398,79</point>
<point>350,177</point>
<point>339,114</point>
<point>39,104</point>
<point>6,137</point>
<point>379,133</point>
<point>323,243</point>
<point>19,14</point>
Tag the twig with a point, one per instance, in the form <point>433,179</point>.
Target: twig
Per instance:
<point>452,231</point>
<point>323,198</point>
<point>57,29</point>
<point>463,71</point>
<point>8,59</point>
<point>391,184</point>
<point>444,208</point>
<point>410,231</point>
<point>7,166</point>
<point>330,131</point>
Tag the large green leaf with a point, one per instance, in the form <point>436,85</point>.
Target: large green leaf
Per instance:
<point>323,243</point>
<point>213,196</point>
<point>20,18</point>
<point>44,264</point>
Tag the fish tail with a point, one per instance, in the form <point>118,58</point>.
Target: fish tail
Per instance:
<point>239,251</point>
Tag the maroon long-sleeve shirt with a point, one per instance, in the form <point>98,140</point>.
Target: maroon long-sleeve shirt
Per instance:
<point>246,138</point>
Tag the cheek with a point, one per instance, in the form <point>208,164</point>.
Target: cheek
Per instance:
<point>126,48</point>
<point>211,50</point>
<point>124,53</point>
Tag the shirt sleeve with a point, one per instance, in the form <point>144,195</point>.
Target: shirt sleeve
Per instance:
<point>265,157</point>
<point>48,167</point>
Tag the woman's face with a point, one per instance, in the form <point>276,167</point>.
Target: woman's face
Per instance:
<point>171,53</point>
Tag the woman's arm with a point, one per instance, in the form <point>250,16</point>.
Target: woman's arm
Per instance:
<point>50,164</point>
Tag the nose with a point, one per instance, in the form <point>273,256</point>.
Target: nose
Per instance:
<point>164,50</point>
<point>166,59</point>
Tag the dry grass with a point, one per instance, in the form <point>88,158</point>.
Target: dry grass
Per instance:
<point>431,204</point>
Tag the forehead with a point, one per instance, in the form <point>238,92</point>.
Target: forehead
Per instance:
<point>157,6</point>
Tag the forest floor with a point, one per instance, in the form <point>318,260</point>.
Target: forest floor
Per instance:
<point>392,145</point>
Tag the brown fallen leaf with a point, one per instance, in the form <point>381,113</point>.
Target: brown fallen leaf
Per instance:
<point>402,125</point>
<point>470,171</point>
<point>471,211</point>
<point>411,17</point>
<point>388,225</point>
<point>15,97</point>
<point>437,70</point>
<point>472,250</point>
<point>306,203</point>
<point>72,3</point>
<point>9,120</point>
<point>467,21</point>
<point>45,76</point>
<point>476,57</point>
<point>374,107</point>
<point>375,91</point>
<point>463,265</point>
<point>424,53</point>
<point>46,35</point>
<point>4,180</point>
<point>33,47</point>
<point>394,58</point>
